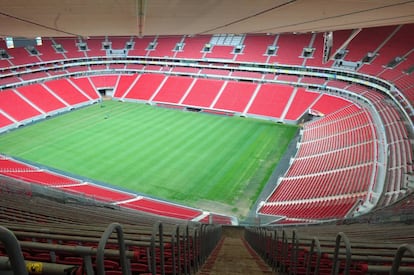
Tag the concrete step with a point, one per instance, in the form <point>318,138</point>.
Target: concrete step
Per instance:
<point>234,256</point>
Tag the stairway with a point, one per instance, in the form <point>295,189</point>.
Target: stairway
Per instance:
<point>233,255</point>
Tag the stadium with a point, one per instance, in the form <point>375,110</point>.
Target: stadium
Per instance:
<point>181,137</point>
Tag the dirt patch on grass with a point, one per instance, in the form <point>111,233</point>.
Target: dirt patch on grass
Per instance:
<point>239,209</point>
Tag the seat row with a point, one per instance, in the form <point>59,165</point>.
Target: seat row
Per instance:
<point>357,249</point>
<point>90,239</point>
<point>44,178</point>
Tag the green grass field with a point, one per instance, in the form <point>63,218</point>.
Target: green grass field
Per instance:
<point>180,156</point>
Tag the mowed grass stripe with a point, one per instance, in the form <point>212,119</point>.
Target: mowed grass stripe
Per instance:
<point>171,154</point>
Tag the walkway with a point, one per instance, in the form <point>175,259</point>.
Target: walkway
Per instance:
<point>234,256</point>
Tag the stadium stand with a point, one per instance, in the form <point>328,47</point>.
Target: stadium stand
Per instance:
<point>345,249</point>
<point>95,47</point>
<point>290,48</point>
<point>47,52</point>
<point>34,75</point>
<point>255,47</point>
<point>85,85</point>
<point>355,154</point>
<point>235,96</point>
<point>70,47</point>
<point>299,103</point>
<point>145,87</point>
<point>397,45</point>
<point>103,81</point>
<point>367,40</point>
<point>99,193</point>
<point>37,94</point>
<point>40,177</point>
<point>220,52</point>
<point>271,100</point>
<point>193,47</point>
<point>140,46</point>
<point>336,175</point>
<point>316,60</point>
<point>203,92</point>
<point>118,42</point>
<point>173,89</point>
<point>22,56</point>
<point>124,84</point>
<point>162,208</point>
<point>164,46</point>
<point>66,91</point>
<point>17,107</point>
<point>217,71</point>
<point>81,242</point>
<point>5,121</point>
<point>327,104</point>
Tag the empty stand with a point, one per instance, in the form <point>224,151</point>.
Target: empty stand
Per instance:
<point>235,96</point>
<point>86,86</point>
<point>221,52</point>
<point>367,40</point>
<point>145,87</point>
<point>9,165</point>
<point>4,63</point>
<point>271,100</point>
<point>185,70</point>
<point>300,104</point>
<point>119,42</point>
<point>20,56</point>
<point>193,47</point>
<point>5,121</point>
<point>124,84</point>
<point>161,208</point>
<point>16,106</point>
<point>67,91</point>
<point>76,238</point>
<point>290,47</point>
<point>255,47</point>
<point>360,248</point>
<point>34,75</point>
<point>203,92</point>
<point>165,46</point>
<point>336,148</point>
<point>333,168</point>
<point>104,81</point>
<point>339,38</point>
<point>317,58</point>
<point>214,71</point>
<point>95,47</point>
<point>140,46</point>
<point>247,74</point>
<point>336,83</point>
<point>173,90</point>
<point>48,52</point>
<point>397,45</point>
<point>312,80</point>
<point>96,192</point>
<point>311,210</point>
<point>327,104</point>
<point>69,44</point>
<point>37,94</point>
<point>10,80</point>
<point>40,177</point>
<point>288,78</point>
